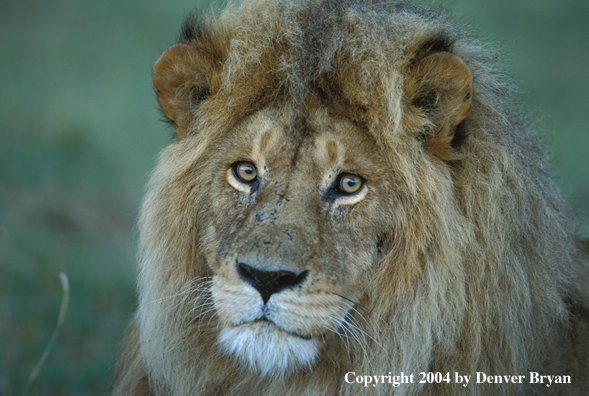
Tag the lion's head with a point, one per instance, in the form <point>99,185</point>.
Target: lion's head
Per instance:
<point>348,189</point>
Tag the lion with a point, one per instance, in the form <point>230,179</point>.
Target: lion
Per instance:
<point>350,203</point>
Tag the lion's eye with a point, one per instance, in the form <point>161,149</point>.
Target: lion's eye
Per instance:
<point>245,172</point>
<point>349,184</point>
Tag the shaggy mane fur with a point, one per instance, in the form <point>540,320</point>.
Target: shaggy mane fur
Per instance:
<point>475,270</point>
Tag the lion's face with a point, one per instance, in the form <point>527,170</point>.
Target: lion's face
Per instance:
<point>292,235</point>
<point>287,203</point>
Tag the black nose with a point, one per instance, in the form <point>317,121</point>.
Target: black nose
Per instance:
<point>269,282</point>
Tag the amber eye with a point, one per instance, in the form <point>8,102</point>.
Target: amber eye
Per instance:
<point>245,172</point>
<point>349,184</point>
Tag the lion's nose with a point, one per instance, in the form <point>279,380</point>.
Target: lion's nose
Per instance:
<point>269,282</point>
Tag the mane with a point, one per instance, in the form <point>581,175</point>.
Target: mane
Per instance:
<point>479,256</point>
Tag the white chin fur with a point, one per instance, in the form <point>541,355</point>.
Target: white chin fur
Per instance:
<point>267,350</point>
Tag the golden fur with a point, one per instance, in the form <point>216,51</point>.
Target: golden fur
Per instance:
<point>456,254</point>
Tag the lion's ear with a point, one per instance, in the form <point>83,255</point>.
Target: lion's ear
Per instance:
<point>184,76</point>
<point>442,94</point>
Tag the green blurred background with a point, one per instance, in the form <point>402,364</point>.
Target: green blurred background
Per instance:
<point>79,133</point>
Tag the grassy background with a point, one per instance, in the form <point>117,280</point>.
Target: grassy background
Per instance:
<point>79,133</point>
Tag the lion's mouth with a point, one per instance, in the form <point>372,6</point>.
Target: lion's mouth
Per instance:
<point>270,324</point>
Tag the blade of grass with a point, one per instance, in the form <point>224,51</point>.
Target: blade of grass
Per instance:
<point>65,285</point>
